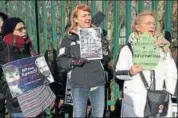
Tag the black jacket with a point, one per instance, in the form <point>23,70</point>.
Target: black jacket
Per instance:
<point>10,54</point>
<point>90,74</point>
<point>58,86</point>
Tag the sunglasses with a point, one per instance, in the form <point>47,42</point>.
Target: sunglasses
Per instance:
<point>21,29</point>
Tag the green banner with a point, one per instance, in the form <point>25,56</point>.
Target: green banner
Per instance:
<point>145,53</point>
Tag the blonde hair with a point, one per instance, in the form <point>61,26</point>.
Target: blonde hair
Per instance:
<point>138,19</point>
<point>74,15</point>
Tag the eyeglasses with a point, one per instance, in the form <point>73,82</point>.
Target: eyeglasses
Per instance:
<point>149,23</point>
<point>21,29</point>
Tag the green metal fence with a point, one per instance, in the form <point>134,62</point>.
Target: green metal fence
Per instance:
<point>46,20</point>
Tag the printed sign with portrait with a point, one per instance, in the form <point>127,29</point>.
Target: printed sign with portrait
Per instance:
<point>26,74</point>
<point>90,43</point>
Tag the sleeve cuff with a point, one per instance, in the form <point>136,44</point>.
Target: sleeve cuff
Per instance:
<point>124,72</point>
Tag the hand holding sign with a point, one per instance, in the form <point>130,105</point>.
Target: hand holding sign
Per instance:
<point>135,69</point>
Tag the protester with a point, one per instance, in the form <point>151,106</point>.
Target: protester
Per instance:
<point>3,17</point>
<point>87,77</point>
<point>174,51</point>
<point>59,84</point>
<point>134,96</point>
<point>17,46</point>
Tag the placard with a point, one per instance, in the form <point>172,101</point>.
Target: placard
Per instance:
<point>145,53</point>
<point>90,43</point>
<point>68,93</point>
<point>26,74</point>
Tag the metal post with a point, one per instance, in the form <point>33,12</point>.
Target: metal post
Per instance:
<point>54,37</point>
<point>168,15</point>
<point>44,17</point>
<point>37,46</point>
<point>128,19</point>
<point>105,11</point>
<point>140,6</point>
<point>93,7</point>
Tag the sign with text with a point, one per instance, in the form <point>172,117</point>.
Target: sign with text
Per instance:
<point>68,93</point>
<point>90,43</point>
<point>145,53</point>
<point>26,74</point>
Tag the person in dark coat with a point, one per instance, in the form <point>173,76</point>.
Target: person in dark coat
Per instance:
<point>16,45</point>
<point>3,17</point>
<point>87,78</point>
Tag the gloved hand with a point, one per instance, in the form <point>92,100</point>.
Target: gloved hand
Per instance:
<point>15,102</point>
<point>78,62</point>
<point>105,44</point>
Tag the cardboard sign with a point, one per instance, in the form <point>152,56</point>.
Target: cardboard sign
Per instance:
<point>145,53</point>
<point>68,93</point>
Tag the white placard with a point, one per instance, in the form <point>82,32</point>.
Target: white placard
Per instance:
<point>90,43</point>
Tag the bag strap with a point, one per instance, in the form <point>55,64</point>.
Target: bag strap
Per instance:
<point>130,48</point>
<point>144,80</point>
<point>154,81</point>
<point>14,41</point>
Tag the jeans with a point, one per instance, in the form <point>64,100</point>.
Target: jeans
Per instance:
<point>20,115</point>
<point>80,100</point>
<point>17,115</point>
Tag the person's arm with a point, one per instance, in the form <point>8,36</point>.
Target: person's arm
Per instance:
<point>171,74</point>
<point>64,58</point>
<point>124,67</point>
<point>106,52</point>
<point>124,64</point>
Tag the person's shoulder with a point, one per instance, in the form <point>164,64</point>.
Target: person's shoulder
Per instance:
<point>125,47</point>
<point>71,36</point>
<point>68,38</point>
<point>166,55</point>
<point>2,44</point>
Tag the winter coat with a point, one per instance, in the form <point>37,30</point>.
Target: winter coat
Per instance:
<point>90,74</point>
<point>134,96</point>
<point>11,53</point>
<point>58,86</point>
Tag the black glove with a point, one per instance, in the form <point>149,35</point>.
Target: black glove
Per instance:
<point>105,44</point>
<point>79,62</point>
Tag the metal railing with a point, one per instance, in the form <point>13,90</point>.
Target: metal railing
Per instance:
<point>46,20</point>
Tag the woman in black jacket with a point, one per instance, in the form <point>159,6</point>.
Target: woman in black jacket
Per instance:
<point>87,77</point>
<point>16,45</point>
<point>3,17</point>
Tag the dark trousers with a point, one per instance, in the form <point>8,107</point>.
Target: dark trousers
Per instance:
<point>2,108</point>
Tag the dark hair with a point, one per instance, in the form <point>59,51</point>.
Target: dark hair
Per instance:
<point>3,16</point>
<point>10,24</point>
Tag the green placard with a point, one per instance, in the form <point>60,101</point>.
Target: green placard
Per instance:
<point>145,53</point>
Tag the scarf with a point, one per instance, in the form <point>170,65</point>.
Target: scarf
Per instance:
<point>17,41</point>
